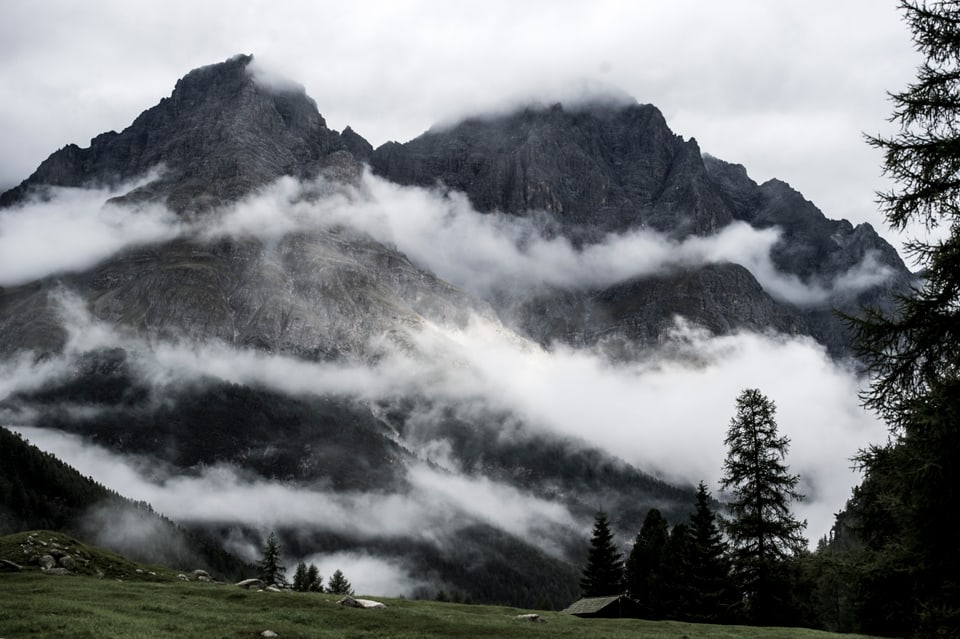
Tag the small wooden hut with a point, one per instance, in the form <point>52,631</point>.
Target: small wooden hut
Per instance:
<point>617,607</point>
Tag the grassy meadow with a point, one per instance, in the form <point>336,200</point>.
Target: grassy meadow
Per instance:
<point>130,602</point>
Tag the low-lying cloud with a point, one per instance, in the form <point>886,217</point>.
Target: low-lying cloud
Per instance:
<point>72,229</point>
<point>432,510</point>
<point>666,413</point>
<point>486,253</point>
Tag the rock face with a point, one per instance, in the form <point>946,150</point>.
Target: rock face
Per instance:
<point>598,169</point>
<point>220,134</point>
<point>320,295</point>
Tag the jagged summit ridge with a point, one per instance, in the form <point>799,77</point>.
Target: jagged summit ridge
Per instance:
<point>596,168</point>
<point>221,133</point>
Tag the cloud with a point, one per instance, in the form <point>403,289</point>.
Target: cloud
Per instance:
<point>485,254</point>
<point>665,413</point>
<point>491,253</point>
<point>72,229</point>
<point>369,574</point>
<point>272,79</point>
<point>436,505</point>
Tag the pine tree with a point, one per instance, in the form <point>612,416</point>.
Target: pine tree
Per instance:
<point>709,593</point>
<point>763,532</point>
<point>314,582</point>
<point>603,574</point>
<point>644,570</point>
<point>914,356</point>
<point>270,568</point>
<point>338,584</point>
<point>300,578</point>
<point>676,592</point>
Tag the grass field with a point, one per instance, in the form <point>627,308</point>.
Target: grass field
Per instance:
<point>140,605</point>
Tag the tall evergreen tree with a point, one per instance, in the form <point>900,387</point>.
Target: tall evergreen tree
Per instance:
<point>270,567</point>
<point>338,584</point>
<point>300,578</point>
<point>314,582</point>
<point>603,574</point>
<point>762,530</point>
<point>914,356</point>
<point>710,596</point>
<point>644,576</point>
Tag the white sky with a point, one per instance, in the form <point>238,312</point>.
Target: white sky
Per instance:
<point>785,88</point>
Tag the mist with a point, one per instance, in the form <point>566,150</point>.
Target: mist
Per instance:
<point>489,253</point>
<point>666,414</point>
<point>72,229</point>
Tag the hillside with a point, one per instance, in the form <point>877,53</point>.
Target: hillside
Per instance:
<point>37,490</point>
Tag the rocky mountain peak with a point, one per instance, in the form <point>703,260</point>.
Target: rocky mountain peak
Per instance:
<point>595,167</point>
<point>226,129</point>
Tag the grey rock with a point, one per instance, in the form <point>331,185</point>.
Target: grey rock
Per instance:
<point>46,562</point>
<point>532,616</point>
<point>269,633</point>
<point>598,169</point>
<point>57,571</point>
<point>251,584</point>
<point>219,135</point>
<point>67,562</point>
<point>354,602</point>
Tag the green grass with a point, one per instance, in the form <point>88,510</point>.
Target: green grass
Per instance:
<point>34,604</point>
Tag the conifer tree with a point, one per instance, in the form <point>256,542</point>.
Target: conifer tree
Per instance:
<point>675,586</point>
<point>338,584</point>
<point>603,574</point>
<point>914,355</point>
<point>300,578</point>
<point>644,570</point>
<point>709,592</point>
<point>763,532</point>
<point>270,567</point>
<point>314,582</point>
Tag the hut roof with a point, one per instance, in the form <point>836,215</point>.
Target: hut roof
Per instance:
<point>589,605</point>
<point>596,605</point>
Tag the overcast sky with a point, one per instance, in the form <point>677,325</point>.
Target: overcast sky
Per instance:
<point>785,88</point>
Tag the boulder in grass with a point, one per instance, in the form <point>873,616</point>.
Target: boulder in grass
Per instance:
<point>532,616</point>
<point>251,584</point>
<point>353,602</point>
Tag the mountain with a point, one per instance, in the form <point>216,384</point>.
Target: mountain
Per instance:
<point>317,379</point>
<point>218,136</point>
<point>598,169</point>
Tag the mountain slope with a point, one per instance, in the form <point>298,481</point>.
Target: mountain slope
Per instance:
<point>37,490</point>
